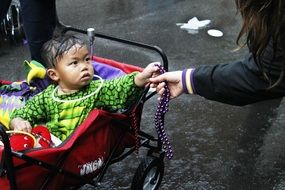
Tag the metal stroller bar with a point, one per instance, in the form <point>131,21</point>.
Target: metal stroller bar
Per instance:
<point>8,161</point>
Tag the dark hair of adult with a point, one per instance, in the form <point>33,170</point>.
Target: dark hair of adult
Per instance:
<point>263,21</point>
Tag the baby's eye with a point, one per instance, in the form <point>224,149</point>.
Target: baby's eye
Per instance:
<point>87,59</point>
<point>74,63</point>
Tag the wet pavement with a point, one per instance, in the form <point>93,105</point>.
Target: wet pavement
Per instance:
<point>216,146</point>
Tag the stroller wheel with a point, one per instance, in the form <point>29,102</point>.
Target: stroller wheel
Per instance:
<point>149,174</point>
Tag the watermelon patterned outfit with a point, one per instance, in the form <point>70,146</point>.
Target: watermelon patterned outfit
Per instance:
<point>63,117</point>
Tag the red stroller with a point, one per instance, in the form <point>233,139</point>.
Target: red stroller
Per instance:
<point>83,158</point>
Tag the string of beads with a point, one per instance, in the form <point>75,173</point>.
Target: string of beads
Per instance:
<point>161,110</point>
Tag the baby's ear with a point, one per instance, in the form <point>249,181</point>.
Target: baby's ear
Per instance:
<point>53,74</point>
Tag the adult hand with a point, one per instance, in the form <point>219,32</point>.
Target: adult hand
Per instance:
<point>172,80</point>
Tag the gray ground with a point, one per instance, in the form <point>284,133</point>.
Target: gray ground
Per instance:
<point>216,146</point>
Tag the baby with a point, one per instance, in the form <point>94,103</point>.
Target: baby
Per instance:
<point>64,105</point>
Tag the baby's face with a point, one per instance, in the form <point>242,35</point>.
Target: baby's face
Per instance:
<point>74,69</point>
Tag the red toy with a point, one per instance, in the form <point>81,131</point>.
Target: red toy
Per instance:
<point>40,137</point>
<point>43,136</point>
<point>20,140</point>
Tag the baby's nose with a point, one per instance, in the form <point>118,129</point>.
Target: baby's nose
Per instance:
<point>83,66</point>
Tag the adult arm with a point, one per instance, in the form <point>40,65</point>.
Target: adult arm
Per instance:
<point>241,82</point>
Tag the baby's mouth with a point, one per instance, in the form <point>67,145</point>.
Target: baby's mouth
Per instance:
<point>86,76</point>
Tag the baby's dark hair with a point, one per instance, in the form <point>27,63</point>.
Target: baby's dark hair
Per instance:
<point>54,49</point>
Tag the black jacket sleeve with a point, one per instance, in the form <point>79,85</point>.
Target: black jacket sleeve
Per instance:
<point>242,82</point>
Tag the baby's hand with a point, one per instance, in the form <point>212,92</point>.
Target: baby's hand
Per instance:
<point>150,71</point>
<point>19,124</point>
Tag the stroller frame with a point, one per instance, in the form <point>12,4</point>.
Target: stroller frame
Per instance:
<point>145,140</point>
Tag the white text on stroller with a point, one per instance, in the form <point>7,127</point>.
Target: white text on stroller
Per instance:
<point>90,167</point>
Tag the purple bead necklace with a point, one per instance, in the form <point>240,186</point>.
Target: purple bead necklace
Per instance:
<point>161,110</point>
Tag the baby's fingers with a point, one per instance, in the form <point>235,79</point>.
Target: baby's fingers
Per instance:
<point>28,127</point>
<point>23,126</point>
